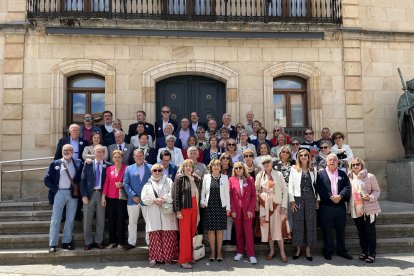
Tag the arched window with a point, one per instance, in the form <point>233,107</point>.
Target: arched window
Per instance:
<point>289,101</point>
<point>86,94</point>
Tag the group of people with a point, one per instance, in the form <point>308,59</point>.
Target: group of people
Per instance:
<point>201,178</point>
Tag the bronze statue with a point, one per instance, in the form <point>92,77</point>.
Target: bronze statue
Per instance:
<point>405,109</point>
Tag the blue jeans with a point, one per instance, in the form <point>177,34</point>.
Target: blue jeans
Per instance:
<point>62,198</point>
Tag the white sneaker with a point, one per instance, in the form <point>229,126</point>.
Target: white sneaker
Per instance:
<point>238,257</point>
<point>253,260</point>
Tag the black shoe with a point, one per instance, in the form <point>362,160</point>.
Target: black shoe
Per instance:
<point>52,249</point>
<point>100,246</point>
<point>309,258</point>
<point>129,246</point>
<point>346,256</point>
<point>295,257</point>
<point>87,247</point>
<point>68,246</point>
<point>327,256</point>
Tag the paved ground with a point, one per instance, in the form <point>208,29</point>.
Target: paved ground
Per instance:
<point>397,264</point>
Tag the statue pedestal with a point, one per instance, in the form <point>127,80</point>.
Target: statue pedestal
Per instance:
<point>400,179</point>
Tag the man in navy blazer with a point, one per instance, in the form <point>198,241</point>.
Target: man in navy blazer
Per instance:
<point>168,169</point>
<point>149,128</point>
<point>74,139</point>
<point>226,119</point>
<point>135,177</point>
<point>333,187</point>
<point>60,194</point>
<point>91,186</point>
<point>165,118</point>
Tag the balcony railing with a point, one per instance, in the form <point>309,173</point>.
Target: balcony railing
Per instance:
<point>300,11</point>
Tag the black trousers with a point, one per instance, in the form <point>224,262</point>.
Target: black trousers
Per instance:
<point>330,217</point>
<point>367,235</point>
<point>117,211</point>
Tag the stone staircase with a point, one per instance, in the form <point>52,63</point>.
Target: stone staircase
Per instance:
<point>24,228</point>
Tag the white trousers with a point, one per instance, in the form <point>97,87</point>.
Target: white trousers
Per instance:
<point>133,213</point>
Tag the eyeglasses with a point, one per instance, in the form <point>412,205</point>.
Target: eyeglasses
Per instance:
<point>338,137</point>
<point>165,111</point>
<point>325,147</point>
<point>238,168</point>
<point>308,133</point>
<point>225,158</point>
<point>266,162</point>
<point>295,144</point>
<point>248,156</point>
<point>303,155</point>
<point>286,152</point>
<point>201,132</point>
<point>157,170</point>
<point>356,165</point>
<point>276,130</point>
<point>232,145</point>
<point>261,132</point>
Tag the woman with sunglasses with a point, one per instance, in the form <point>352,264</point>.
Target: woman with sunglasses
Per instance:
<point>304,201</point>
<point>276,130</point>
<point>161,226</point>
<point>248,157</point>
<point>261,138</point>
<point>319,161</point>
<point>242,205</point>
<point>244,143</point>
<point>239,129</point>
<point>364,207</point>
<point>231,150</point>
<point>343,151</point>
<point>295,144</point>
<point>227,169</point>
<point>202,142</point>
<point>272,201</point>
<point>215,200</point>
<point>213,152</point>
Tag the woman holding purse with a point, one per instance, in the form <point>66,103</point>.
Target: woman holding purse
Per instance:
<point>160,223</point>
<point>114,197</point>
<point>272,198</point>
<point>242,205</point>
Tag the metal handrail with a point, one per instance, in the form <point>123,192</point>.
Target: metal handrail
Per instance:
<point>20,170</point>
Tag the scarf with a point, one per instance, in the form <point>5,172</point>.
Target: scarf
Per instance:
<point>357,204</point>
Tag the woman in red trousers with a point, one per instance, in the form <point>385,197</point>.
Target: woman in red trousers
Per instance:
<point>242,205</point>
<point>186,195</point>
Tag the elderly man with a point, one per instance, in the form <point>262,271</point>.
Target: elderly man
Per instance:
<point>106,127</point>
<point>325,135</point>
<point>226,119</point>
<point>148,128</point>
<point>176,154</point>
<point>88,127</point>
<point>109,138</point>
<point>91,185</point>
<point>168,169</point>
<point>60,178</point>
<point>212,129</point>
<point>77,143</point>
<point>248,126</point>
<point>120,144</point>
<point>333,187</point>
<point>168,130</point>
<point>165,119</point>
<point>184,132</point>
<point>195,121</point>
<point>199,168</point>
<point>135,177</point>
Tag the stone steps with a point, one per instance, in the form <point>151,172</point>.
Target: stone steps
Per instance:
<point>25,206</point>
<point>38,256</point>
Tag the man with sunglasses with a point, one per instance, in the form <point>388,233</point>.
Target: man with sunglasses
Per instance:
<point>309,144</point>
<point>88,127</point>
<point>165,119</point>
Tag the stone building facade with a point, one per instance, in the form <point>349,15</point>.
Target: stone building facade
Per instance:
<point>351,75</point>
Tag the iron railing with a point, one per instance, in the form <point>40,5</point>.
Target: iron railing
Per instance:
<point>300,11</point>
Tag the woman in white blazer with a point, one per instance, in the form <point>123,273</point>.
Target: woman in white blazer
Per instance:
<point>160,225</point>
<point>215,198</point>
<point>304,201</point>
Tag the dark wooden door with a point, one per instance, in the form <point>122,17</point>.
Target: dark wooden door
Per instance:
<point>185,94</point>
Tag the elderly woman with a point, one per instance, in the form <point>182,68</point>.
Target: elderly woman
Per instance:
<point>215,199</point>
<point>186,195</point>
<point>191,142</point>
<point>343,151</point>
<point>252,169</point>
<point>202,142</point>
<point>160,221</point>
<point>264,150</point>
<point>256,125</point>
<point>295,144</point>
<point>115,198</point>
<point>272,200</point>
<point>242,204</point>
<point>176,154</point>
<point>244,143</point>
<point>281,141</point>
<point>213,152</point>
<point>231,150</point>
<point>239,128</point>
<point>319,161</point>
<point>89,151</point>
<point>303,203</point>
<point>225,136</point>
<point>364,207</point>
<point>276,131</point>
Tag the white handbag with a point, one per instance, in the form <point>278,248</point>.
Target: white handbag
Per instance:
<point>199,250</point>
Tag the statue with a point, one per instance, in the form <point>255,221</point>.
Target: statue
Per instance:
<point>405,109</point>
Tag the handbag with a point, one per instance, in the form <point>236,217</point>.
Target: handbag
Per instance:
<point>199,250</point>
<point>122,194</point>
<point>75,189</point>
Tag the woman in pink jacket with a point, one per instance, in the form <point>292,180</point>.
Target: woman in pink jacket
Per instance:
<point>364,207</point>
<point>242,206</point>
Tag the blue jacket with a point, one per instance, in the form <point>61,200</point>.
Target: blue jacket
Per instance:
<point>133,184</point>
<point>66,140</point>
<point>52,176</point>
<point>87,182</point>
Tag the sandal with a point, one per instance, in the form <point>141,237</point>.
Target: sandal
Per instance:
<point>186,266</point>
<point>370,259</point>
<point>363,256</point>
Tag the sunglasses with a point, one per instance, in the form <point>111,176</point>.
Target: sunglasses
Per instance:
<point>325,147</point>
<point>276,130</point>
<point>266,162</point>
<point>88,119</point>
<point>238,168</point>
<point>261,132</point>
<point>157,170</point>
<point>165,111</point>
<point>200,132</point>
<point>231,145</point>
<point>308,133</point>
<point>225,158</point>
<point>285,152</point>
<point>295,144</point>
<point>303,155</point>
<point>248,156</point>
<point>356,165</point>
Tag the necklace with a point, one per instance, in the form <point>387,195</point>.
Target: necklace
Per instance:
<point>216,177</point>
